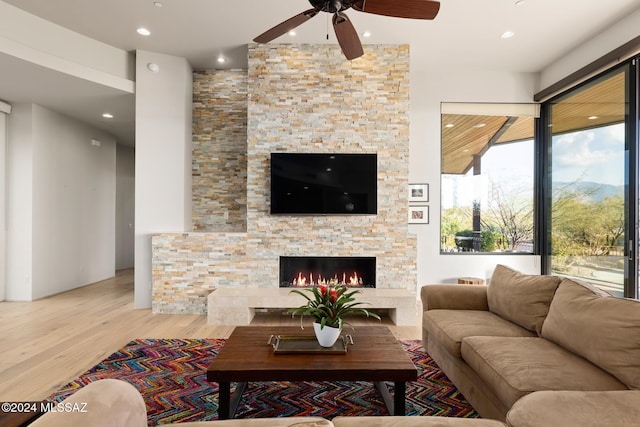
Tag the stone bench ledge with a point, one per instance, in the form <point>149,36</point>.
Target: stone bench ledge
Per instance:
<point>236,306</point>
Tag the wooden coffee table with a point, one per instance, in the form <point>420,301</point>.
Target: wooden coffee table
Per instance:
<point>375,356</point>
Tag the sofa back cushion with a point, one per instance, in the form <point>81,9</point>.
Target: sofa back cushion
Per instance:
<point>604,330</point>
<point>523,299</point>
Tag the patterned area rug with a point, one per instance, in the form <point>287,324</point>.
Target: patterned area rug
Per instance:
<point>171,376</point>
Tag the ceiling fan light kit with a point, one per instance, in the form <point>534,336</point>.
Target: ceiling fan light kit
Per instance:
<point>345,32</point>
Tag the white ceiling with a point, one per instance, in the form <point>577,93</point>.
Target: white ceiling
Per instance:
<point>466,33</point>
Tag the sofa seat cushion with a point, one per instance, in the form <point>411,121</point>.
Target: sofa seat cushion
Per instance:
<point>521,298</point>
<point>408,421</point>
<point>449,327</point>
<point>515,367</point>
<point>577,408</point>
<point>602,329</point>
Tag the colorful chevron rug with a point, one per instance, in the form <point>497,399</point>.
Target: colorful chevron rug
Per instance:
<point>171,376</point>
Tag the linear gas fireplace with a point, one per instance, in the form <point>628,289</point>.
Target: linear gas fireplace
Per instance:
<point>302,271</point>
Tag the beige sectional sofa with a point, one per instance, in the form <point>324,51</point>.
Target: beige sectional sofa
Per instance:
<point>114,403</point>
<point>537,350</point>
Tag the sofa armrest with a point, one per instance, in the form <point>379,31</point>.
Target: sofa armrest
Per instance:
<point>260,422</point>
<point>104,403</point>
<point>454,297</point>
<point>620,408</point>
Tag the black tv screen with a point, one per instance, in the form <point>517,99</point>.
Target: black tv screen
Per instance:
<point>324,184</point>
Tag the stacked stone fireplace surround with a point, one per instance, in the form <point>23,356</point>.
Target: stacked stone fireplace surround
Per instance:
<point>292,98</point>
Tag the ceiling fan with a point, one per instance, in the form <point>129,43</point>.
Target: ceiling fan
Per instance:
<point>345,32</point>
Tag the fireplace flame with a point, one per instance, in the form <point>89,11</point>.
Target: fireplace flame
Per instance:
<point>301,281</point>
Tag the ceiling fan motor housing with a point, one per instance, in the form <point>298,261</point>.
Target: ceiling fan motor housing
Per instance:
<point>331,6</point>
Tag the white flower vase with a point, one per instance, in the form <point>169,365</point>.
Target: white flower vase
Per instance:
<point>326,336</point>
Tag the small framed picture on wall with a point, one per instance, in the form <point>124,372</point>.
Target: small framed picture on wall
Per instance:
<point>418,214</point>
<point>418,193</point>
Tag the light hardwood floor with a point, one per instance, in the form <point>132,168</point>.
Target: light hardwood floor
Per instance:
<point>45,344</point>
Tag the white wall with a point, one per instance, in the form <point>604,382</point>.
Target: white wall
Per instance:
<point>19,206</point>
<point>5,109</point>
<point>163,157</point>
<point>125,206</point>
<point>606,41</point>
<point>34,39</point>
<point>430,86</point>
<point>61,204</point>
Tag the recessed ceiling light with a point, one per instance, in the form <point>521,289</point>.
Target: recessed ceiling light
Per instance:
<point>520,2</point>
<point>366,34</point>
<point>107,116</point>
<point>143,31</point>
<point>449,125</point>
<point>507,34</point>
<point>292,33</point>
<point>157,4</point>
<point>593,117</point>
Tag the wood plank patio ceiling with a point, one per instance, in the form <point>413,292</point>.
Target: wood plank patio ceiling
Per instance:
<point>465,136</point>
<point>602,101</point>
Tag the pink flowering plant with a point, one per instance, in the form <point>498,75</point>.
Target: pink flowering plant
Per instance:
<point>328,306</point>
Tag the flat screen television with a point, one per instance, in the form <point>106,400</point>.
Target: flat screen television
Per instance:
<point>324,184</point>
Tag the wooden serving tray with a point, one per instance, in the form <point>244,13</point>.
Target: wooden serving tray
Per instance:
<point>296,344</point>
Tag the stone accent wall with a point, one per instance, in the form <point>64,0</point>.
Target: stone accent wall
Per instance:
<point>308,98</point>
<point>187,267</point>
<point>302,98</point>
<point>219,168</point>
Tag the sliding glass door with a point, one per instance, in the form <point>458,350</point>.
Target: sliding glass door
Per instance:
<point>591,179</point>
<point>632,289</point>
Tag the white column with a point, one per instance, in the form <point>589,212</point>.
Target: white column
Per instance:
<point>163,157</point>
<point>5,109</point>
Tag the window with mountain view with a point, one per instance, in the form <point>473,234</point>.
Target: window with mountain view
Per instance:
<point>487,178</point>
<point>587,181</point>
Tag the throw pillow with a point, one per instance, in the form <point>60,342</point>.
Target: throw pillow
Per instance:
<point>604,330</point>
<point>520,298</point>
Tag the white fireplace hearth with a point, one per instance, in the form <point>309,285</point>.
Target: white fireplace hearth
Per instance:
<point>230,306</point>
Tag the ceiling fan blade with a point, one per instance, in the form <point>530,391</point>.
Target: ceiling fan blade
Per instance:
<point>416,9</point>
<point>347,36</point>
<point>286,26</point>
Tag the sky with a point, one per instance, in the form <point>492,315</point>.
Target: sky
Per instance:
<point>595,155</point>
